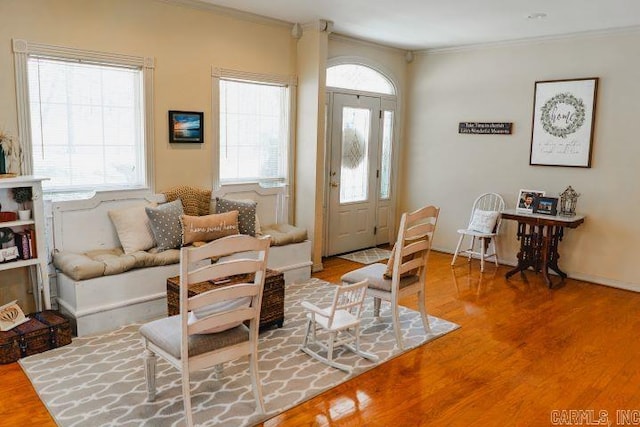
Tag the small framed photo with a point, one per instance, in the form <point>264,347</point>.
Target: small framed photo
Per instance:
<point>546,206</point>
<point>526,200</point>
<point>186,126</point>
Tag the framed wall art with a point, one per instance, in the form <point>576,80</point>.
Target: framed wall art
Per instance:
<point>563,122</point>
<point>186,126</point>
<point>526,200</point>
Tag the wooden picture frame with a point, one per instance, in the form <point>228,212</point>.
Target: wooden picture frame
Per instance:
<point>526,200</point>
<point>546,206</point>
<point>186,127</point>
<point>563,122</point>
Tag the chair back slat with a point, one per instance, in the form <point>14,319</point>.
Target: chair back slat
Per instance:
<point>218,271</point>
<point>239,243</point>
<point>416,246</point>
<point>221,319</point>
<point>413,264</point>
<point>226,293</point>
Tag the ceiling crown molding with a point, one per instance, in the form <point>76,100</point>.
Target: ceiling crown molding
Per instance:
<point>533,40</point>
<point>227,11</point>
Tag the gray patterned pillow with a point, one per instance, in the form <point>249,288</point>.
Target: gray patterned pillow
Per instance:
<point>246,213</point>
<point>165,224</point>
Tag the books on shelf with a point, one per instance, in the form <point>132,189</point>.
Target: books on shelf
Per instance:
<point>26,244</point>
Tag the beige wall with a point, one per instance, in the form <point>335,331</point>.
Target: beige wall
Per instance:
<point>185,43</point>
<point>496,84</point>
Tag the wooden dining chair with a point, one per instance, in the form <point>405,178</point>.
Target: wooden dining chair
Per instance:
<point>209,329</point>
<point>405,273</point>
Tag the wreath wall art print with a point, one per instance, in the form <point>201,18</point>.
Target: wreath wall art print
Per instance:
<point>563,120</point>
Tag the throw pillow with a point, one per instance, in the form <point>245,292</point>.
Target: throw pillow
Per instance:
<point>165,224</point>
<point>219,307</point>
<point>209,227</point>
<point>195,201</point>
<point>133,228</point>
<point>483,221</point>
<point>246,213</point>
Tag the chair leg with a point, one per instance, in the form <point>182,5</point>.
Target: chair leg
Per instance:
<point>473,245</point>
<point>186,398</point>
<point>495,250</point>
<point>455,254</point>
<point>306,334</point>
<point>332,339</point>
<point>150,374</point>
<point>396,325</point>
<point>482,252</point>
<point>356,348</point>
<point>255,380</point>
<point>423,312</point>
<point>376,306</point>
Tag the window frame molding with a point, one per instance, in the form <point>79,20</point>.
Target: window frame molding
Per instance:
<point>22,49</point>
<point>289,81</point>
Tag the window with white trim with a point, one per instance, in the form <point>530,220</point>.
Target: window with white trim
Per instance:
<point>254,129</point>
<point>87,119</point>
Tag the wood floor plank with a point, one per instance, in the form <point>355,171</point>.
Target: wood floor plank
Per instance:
<point>522,351</point>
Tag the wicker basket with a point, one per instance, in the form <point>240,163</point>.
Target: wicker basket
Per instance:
<point>271,312</point>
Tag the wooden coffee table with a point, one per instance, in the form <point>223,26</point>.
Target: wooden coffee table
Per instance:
<point>271,312</point>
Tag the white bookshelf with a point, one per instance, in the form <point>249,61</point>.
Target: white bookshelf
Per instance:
<point>39,277</point>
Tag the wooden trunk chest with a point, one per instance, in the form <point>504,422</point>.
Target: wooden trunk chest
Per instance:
<point>271,312</point>
<point>43,331</point>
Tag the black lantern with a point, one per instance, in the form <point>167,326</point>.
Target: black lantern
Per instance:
<point>568,200</point>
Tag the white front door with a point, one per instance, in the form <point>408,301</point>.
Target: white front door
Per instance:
<point>353,175</point>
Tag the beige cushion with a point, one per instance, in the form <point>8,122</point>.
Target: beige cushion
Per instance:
<point>106,262</point>
<point>374,274</point>
<point>133,228</point>
<point>209,227</point>
<point>166,334</point>
<point>284,234</point>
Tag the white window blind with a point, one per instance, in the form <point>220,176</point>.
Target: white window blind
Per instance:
<point>254,132</point>
<point>87,124</point>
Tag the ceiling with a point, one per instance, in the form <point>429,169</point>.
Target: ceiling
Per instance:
<point>429,24</point>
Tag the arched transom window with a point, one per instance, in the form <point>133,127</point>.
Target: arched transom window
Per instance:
<point>359,77</point>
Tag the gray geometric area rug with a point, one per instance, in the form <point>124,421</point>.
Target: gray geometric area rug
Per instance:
<point>99,380</point>
<point>367,256</point>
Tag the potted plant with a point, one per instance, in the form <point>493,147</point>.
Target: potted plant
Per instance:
<point>22,195</point>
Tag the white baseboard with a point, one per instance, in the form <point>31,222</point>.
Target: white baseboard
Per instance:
<point>635,287</point>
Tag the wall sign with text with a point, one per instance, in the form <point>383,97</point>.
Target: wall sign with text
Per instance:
<point>485,128</point>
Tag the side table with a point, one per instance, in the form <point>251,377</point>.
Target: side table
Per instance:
<point>271,312</point>
<point>539,237</point>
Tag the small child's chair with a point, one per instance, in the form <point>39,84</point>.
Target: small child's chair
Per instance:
<point>341,321</point>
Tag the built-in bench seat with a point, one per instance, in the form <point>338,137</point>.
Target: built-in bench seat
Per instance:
<point>100,288</point>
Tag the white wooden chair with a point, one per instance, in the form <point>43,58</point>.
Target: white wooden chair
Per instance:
<point>405,274</point>
<point>340,322</point>
<point>484,225</point>
<point>209,329</point>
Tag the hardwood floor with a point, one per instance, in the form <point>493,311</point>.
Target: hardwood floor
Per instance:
<point>522,352</point>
